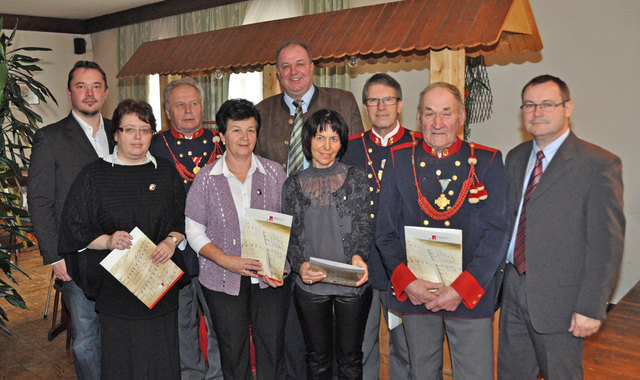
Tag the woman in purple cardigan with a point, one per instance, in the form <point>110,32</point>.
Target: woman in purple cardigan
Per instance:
<point>215,211</point>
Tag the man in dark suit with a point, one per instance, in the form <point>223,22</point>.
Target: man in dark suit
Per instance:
<point>60,151</point>
<point>567,237</point>
<point>276,141</point>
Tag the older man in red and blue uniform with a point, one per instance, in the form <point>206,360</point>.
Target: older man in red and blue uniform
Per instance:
<point>444,182</point>
<point>190,147</point>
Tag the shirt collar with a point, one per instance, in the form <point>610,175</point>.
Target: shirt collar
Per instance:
<point>86,126</point>
<point>221,167</point>
<point>390,138</point>
<point>113,159</point>
<point>446,152</point>
<point>306,100</point>
<point>179,135</point>
<point>551,149</point>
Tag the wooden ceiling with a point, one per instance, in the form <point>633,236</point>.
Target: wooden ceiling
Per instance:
<point>127,17</point>
<point>400,30</point>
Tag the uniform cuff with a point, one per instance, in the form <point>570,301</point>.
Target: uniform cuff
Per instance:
<point>400,279</point>
<point>469,289</point>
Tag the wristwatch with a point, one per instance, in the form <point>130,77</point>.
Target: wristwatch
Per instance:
<point>175,239</point>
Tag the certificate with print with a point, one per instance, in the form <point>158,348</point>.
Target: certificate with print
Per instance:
<point>135,270</point>
<point>434,254</point>
<point>336,273</point>
<point>266,239</point>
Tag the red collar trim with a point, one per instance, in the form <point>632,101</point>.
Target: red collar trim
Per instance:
<point>392,140</point>
<point>179,135</point>
<point>453,149</point>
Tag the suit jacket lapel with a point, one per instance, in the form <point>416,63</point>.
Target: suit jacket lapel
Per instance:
<point>559,166</point>
<point>76,136</point>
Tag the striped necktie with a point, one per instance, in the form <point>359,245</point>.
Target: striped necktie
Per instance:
<point>519,258</point>
<point>295,142</point>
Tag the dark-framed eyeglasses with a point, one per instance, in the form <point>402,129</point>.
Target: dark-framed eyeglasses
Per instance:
<point>544,106</point>
<point>388,101</point>
<point>131,131</point>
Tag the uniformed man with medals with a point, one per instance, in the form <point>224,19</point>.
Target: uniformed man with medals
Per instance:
<point>190,147</point>
<point>444,182</point>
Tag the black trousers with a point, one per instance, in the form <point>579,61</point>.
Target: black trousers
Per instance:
<point>265,310</point>
<point>318,315</point>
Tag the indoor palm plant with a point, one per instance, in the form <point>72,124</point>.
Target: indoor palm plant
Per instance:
<point>19,123</point>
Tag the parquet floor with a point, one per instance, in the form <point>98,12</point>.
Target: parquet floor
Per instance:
<point>27,354</point>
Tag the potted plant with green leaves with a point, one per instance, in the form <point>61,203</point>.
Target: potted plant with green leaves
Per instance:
<point>19,124</point>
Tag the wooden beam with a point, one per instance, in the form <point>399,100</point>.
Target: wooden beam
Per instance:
<point>519,18</point>
<point>448,66</point>
<point>270,83</point>
<point>44,24</point>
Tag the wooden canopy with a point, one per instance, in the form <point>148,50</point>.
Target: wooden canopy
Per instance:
<point>399,30</point>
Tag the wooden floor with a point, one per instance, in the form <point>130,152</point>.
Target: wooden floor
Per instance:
<point>27,354</point>
<point>613,353</point>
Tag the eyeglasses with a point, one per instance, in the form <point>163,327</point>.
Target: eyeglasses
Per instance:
<point>131,131</point>
<point>388,101</point>
<point>544,106</point>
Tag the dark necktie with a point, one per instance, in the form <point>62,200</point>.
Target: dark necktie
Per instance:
<point>519,258</point>
<point>295,142</point>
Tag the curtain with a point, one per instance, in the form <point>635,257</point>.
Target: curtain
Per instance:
<point>215,90</point>
<point>335,76</point>
<point>130,37</point>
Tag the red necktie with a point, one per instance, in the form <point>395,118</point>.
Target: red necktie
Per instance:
<point>519,250</point>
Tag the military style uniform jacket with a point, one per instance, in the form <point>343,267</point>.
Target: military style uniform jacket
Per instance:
<point>276,122</point>
<point>188,156</point>
<point>364,150</point>
<point>440,180</point>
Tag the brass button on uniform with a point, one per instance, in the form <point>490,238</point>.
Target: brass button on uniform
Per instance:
<point>457,163</point>
<point>454,177</point>
<point>450,192</point>
<point>372,216</point>
<point>438,172</point>
<point>181,155</point>
<point>370,150</point>
<point>426,222</point>
<point>290,121</point>
<point>179,142</point>
<point>447,223</point>
<point>422,164</point>
<point>286,142</point>
<point>370,175</point>
<point>204,141</point>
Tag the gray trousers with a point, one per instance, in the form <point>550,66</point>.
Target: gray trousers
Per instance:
<point>192,365</point>
<point>523,352</point>
<point>398,351</point>
<point>470,344</point>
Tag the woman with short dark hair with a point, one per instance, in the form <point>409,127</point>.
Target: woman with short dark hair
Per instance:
<point>110,197</point>
<point>329,202</point>
<point>239,300</point>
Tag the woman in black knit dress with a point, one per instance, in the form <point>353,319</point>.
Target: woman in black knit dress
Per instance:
<point>127,189</point>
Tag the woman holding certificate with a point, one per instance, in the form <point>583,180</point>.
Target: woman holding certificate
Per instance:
<point>329,202</point>
<point>110,197</point>
<point>215,211</point>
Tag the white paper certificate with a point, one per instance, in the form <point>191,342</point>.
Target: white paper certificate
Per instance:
<point>434,254</point>
<point>266,239</point>
<point>135,270</point>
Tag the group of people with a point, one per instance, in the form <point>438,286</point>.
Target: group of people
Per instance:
<point>542,235</point>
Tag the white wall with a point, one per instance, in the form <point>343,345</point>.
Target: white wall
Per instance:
<point>55,65</point>
<point>590,44</point>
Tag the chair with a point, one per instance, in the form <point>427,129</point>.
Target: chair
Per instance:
<point>58,303</point>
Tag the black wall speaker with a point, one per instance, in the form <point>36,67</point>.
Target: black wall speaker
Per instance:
<point>79,45</point>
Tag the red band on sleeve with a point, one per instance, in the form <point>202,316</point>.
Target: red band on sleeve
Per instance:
<point>469,289</point>
<point>401,278</point>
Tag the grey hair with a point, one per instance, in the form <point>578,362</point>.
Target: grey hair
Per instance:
<point>188,81</point>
